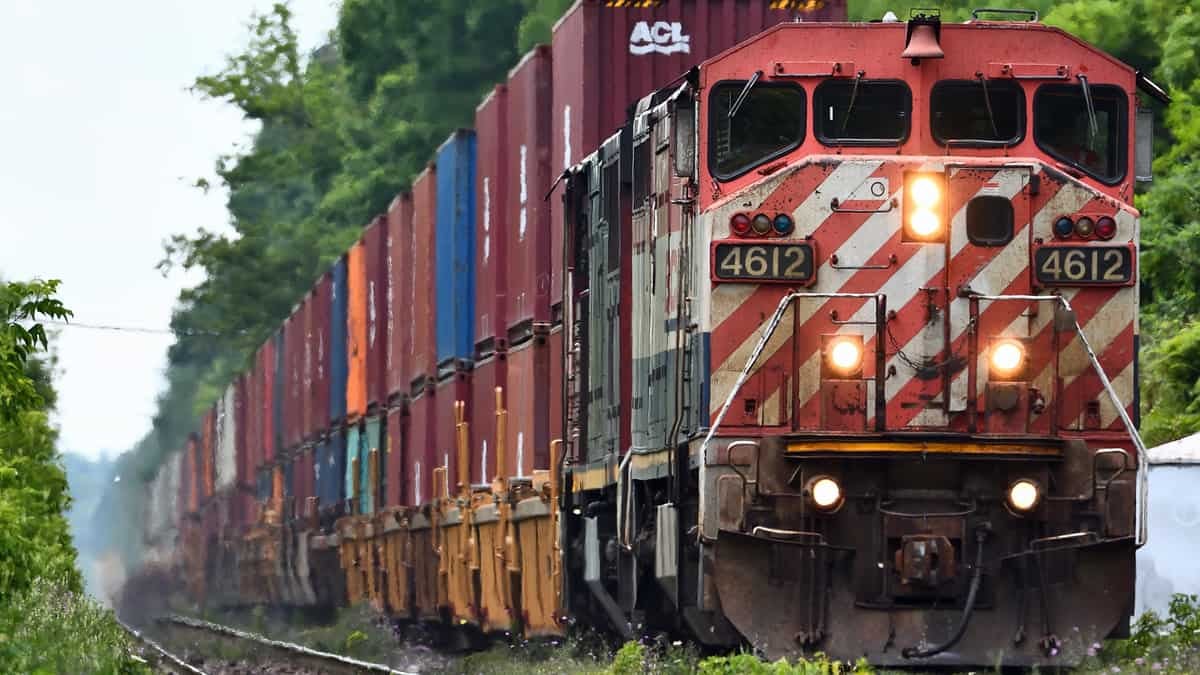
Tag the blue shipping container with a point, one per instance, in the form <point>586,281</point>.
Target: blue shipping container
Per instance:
<point>372,440</point>
<point>338,365</point>
<point>352,452</point>
<point>263,491</point>
<point>456,248</point>
<point>330,470</point>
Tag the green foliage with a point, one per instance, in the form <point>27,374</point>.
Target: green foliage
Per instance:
<point>1158,644</point>
<point>630,659</point>
<point>20,304</point>
<point>51,627</point>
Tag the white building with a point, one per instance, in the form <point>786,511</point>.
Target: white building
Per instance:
<point>1170,561</point>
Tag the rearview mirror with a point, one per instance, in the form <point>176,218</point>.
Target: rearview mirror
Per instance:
<point>1143,158</point>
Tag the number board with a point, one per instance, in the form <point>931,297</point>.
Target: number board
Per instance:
<point>789,262</point>
<point>1084,265</point>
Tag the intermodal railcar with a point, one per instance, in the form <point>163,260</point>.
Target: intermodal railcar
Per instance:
<point>831,346</point>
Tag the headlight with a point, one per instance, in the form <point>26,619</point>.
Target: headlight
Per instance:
<point>1007,358</point>
<point>925,192</point>
<point>1023,495</point>
<point>924,223</point>
<point>924,207</point>
<point>825,492</point>
<point>845,355</point>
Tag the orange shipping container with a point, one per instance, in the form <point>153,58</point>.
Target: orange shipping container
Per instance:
<point>356,332</point>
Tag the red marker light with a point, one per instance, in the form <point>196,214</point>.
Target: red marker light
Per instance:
<point>1106,228</point>
<point>740,224</point>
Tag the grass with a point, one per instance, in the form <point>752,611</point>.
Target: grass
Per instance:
<point>49,629</point>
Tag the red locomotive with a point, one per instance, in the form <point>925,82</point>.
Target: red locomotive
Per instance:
<point>854,326</point>
<point>830,347</point>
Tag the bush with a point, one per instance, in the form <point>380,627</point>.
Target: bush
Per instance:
<point>1157,644</point>
<point>51,628</point>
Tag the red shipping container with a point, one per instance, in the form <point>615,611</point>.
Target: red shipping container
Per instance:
<point>423,362</point>
<point>488,374</point>
<point>491,221</point>
<point>394,462</point>
<point>376,250</point>
<point>605,59</point>
<point>248,422</point>
<point>266,404</point>
<point>189,482</point>
<point>528,227</point>
<point>208,452</point>
<point>455,388</point>
<point>302,480</point>
<point>399,294</point>
<point>319,324</point>
<point>245,466</point>
<point>527,399</point>
<point>356,332</point>
<point>307,358</point>
<point>293,345</point>
<point>420,452</point>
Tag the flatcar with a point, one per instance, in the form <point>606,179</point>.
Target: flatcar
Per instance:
<point>830,347</point>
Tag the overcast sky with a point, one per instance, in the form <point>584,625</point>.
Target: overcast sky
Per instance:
<point>100,142</point>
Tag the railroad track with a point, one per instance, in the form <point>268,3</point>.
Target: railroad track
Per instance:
<point>161,658</point>
<point>290,653</point>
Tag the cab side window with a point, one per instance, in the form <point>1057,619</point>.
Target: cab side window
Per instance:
<point>770,122</point>
<point>1063,128</point>
<point>862,112</point>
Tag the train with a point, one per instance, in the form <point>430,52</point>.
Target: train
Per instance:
<point>728,320</point>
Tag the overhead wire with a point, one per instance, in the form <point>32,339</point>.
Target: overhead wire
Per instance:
<point>140,329</point>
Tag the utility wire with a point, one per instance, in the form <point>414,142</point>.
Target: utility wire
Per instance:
<point>139,329</point>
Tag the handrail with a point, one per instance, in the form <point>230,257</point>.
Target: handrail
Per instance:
<point>1143,534</point>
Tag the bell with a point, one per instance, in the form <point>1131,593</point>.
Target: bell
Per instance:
<point>922,42</point>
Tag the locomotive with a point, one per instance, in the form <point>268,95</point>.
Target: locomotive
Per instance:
<point>844,361</point>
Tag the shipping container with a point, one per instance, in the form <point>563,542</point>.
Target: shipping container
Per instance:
<point>605,59</point>
<point>528,228</point>
<point>369,470</point>
<point>375,268</point>
<point>189,489</point>
<point>319,398</point>
<point>452,389</point>
<point>207,458</point>
<point>399,295</point>
<point>302,477</point>
<point>392,469</point>
<point>305,368</point>
<point>491,221</point>
<point>293,347</point>
<point>330,474</point>
<point>356,331</point>
<point>227,438</point>
<point>527,399</point>
<point>263,487</point>
<point>455,252</point>
<point>420,449</point>
<point>338,360</point>
<point>423,362</point>
<point>289,488</point>
<point>267,403</point>
<point>487,375</point>
<point>245,463</point>
<point>350,476</point>
<point>279,392</point>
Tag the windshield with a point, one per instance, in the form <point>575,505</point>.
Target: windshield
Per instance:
<point>968,113</point>
<point>862,112</point>
<point>769,122</point>
<point>1062,128</point>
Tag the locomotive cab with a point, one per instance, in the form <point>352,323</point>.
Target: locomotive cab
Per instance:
<point>884,313</point>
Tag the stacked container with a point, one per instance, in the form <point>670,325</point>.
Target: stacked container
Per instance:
<point>528,242</point>
<point>399,295</point>
<point>375,252</point>
<point>455,254</point>
<point>394,461</point>
<point>527,399</point>
<point>491,222</point>
<point>421,442</point>
<point>319,322</point>
<point>489,373</point>
<point>356,332</point>
<point>338,350</point>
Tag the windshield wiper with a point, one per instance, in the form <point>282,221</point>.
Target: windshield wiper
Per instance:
<point>737,103</point>
<point>1093,127</point>
<point>853,97</point>
<point>987,100</point>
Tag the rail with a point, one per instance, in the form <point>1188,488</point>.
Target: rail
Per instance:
<point>177,662</point>
<point>325,661</point>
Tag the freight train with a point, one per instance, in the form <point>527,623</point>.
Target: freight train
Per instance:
<point>803,335</point>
